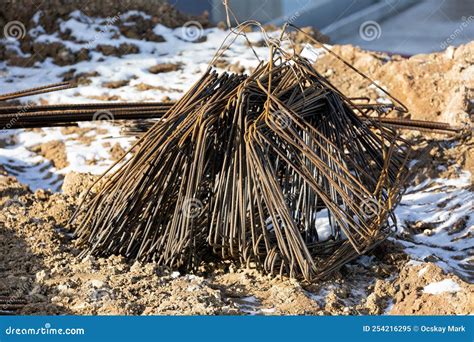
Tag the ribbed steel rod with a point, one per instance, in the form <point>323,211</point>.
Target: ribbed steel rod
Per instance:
<point>71,106</point>
<point>38,90</point>
<point>48,115</point>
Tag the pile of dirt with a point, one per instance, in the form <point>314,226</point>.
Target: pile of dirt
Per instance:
<point>415,297</point>
<point>41,265</point>
<point>40,260</point>
<point>161,11</point>
<point>435,86</point>
<point>47,16</point>
<point>54,151</point>
<point>440,158</point>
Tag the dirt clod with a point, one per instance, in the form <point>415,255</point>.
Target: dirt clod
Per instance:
<point>55,151</point>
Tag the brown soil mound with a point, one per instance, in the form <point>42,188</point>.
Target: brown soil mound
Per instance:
<point>54,151</point>
<point>413,299</point>
<point>40,264</point>
<point>434,87</point>
<point>52,13</point>
<point>160,10</point>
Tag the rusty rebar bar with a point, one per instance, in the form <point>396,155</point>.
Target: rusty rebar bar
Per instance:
<point>13,117</point>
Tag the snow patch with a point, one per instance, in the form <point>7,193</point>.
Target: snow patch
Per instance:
<point>446,285</point>
<point>442,204</point>
<point>422,271</point>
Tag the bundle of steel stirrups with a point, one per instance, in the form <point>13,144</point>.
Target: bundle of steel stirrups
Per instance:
<point>276,168</point>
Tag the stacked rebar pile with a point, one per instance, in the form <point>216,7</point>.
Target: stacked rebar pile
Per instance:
<point>275,168</point>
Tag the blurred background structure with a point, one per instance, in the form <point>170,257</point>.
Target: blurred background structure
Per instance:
<point>396,26</point>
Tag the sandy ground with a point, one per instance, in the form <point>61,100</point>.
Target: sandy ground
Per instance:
<point>38,255</point>
<point>39,263</point>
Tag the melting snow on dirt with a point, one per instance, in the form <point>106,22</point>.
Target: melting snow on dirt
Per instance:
<point>446,285</point>
<point>445,204</point>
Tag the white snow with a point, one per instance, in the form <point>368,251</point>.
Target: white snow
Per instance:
<point>321,222</point>
<point>443,204</point>
<point>37,172</point>
<point>446,285</point>
<point>414,263</point>
<point>422,271</point>
<point>420,203</point>
<point>389,307</point>
<point>250,305</point>
<point>312,53</point>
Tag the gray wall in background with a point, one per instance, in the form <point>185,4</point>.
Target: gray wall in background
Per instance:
<point>317,13</point>
<point>195,7</point>
<point>260,10</point>
<point>406,26</point>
